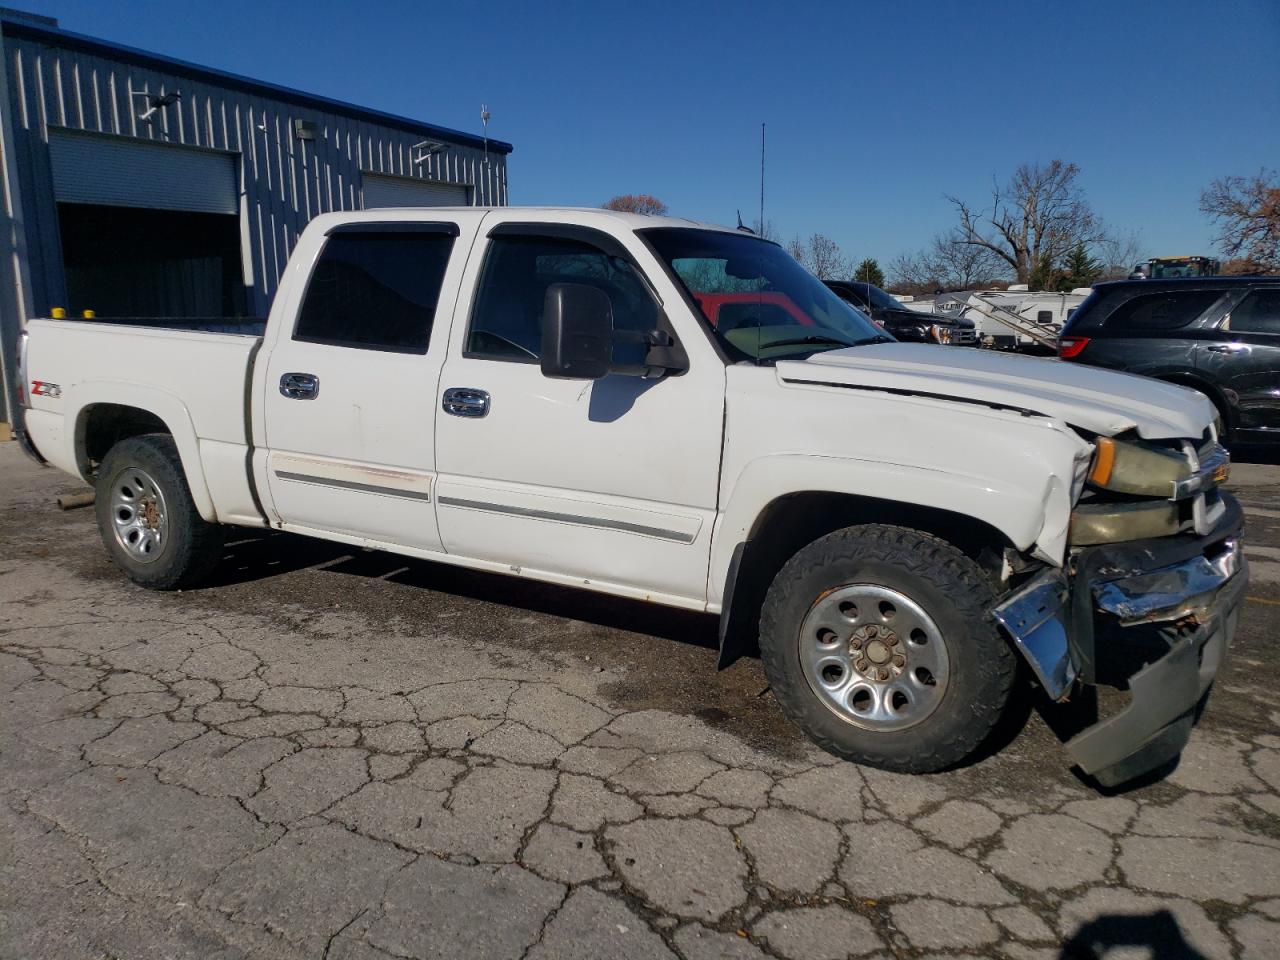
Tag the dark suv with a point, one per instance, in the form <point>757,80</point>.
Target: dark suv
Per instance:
<point>1220,335</point>
<point>901,321</point>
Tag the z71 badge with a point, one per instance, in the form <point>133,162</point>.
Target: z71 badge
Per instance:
<point>42,388</point>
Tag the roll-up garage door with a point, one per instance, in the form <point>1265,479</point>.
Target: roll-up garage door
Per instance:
<point>124,172</point>
<point>381,190</point>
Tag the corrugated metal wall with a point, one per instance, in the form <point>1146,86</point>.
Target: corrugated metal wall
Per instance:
<point>285,181</point>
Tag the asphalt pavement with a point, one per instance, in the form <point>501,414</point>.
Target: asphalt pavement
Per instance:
<point>335,753</point>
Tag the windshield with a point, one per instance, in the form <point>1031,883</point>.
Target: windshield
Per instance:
<point>761,305</point>
<point>881,300</point>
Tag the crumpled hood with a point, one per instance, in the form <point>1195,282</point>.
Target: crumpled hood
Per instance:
<point>1102,401</point>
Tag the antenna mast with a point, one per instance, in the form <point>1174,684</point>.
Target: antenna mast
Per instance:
<point>761,227</point>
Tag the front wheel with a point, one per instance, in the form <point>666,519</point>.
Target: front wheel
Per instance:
<point>147,519</point>
<point>879,645</point>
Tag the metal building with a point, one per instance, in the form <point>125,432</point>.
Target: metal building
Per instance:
<point>136,185</point>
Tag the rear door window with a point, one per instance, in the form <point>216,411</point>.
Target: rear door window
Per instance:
<point>1166,310</point>
<point>375,290</point>
<point>1257,313</point>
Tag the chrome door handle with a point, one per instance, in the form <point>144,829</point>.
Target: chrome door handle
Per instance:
<point>465,402</point>
<point>1228,348</point>
<point>300,386</point>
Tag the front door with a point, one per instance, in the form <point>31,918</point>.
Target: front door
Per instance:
<point>610,482</point>
<point>1242,356</point>
<point>351,383</point>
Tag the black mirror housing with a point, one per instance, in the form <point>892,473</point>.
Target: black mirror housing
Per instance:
<point>577,332</point>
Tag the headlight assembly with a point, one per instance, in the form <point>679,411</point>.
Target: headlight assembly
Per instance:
<point>940,334</point>
<point>1123,467</point>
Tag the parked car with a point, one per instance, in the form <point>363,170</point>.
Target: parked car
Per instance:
<point>537,392</point>
<point>1219,335</point>
<point>901,321</point>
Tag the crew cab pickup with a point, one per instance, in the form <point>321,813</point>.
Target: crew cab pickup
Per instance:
<point>541,393</point>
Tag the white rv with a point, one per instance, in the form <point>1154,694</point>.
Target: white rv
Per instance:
<point>1014,319</point>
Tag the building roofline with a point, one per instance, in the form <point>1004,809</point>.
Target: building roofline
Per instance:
<point>78,41</point>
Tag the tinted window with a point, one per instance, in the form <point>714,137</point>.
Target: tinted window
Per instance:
<point>507,321</point>
<point>1162,311</point>
<point>375,291</point>
<point>1044,317</point>
<point>1258,313</point>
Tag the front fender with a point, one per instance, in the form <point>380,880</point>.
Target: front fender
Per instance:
<point>80,397</point>
<point>1015,509</point>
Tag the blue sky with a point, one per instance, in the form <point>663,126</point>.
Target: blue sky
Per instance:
<point>875,111</point>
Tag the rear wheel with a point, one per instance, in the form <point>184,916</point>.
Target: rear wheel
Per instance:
<point>147,519</point>
<point>878,643</point>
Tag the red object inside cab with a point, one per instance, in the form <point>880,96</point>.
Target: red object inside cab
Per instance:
<point>728,311</point>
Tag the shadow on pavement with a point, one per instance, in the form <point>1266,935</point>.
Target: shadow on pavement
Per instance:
<point>1158,933</point>
<point>259,555</point>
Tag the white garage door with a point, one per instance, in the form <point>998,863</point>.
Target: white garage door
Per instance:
<point>381,190</point>
<point>124,172</point>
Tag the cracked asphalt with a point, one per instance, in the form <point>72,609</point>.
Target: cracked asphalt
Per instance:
<point>333,753</point>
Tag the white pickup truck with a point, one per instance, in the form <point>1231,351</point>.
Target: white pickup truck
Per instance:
<point>546,393</point>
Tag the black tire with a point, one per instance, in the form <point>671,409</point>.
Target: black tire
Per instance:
<point>190,547</point>
<point>950,588</point>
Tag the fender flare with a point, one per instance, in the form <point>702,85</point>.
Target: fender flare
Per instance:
<point>1005,505</point>
<point>168,407</point>
<point>1015,511</point>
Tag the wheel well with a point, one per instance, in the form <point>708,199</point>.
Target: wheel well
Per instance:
<point>796,520</point>
<point>103,425</point>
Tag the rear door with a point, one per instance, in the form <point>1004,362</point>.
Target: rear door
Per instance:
<point>1155,334</point>
<point>350,389</point>
<point>1242,356</point>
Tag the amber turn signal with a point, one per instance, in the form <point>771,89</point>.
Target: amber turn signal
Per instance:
<point>1104,460</point>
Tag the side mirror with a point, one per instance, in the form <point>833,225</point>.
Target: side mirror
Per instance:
<point>577,332</point>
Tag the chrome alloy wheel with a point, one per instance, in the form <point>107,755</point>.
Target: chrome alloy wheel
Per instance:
<point>874,657</point>
<point>138,512</point>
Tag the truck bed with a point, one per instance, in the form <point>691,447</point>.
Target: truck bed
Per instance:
<point>196,375</point>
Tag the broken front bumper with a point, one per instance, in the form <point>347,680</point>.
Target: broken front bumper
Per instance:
<point>1153,617</point>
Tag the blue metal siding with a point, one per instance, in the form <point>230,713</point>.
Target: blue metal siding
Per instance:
<point>284,181</point>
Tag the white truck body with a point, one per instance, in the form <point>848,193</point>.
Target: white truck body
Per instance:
<point>646,487</point>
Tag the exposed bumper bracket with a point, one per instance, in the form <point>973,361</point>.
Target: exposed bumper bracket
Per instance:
<point>1035,618</point>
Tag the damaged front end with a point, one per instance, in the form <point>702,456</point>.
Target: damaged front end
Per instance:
<point>1150,616</point>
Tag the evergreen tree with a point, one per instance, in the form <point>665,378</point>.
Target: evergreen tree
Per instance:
<point>869,272</point>
<point>1079,269</point>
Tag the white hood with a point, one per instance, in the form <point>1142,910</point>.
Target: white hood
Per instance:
<point>1102,401</point>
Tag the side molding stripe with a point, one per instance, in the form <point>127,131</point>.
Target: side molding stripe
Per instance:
<point>352,485</point>
<point>606,524</point>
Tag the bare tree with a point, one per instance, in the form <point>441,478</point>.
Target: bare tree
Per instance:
<point>768,232</point>
<point>964,266</point>
<point>947,263</point>
<point>1036,218</point>
<point>1246,211</point>
<point>821,256</point>
<point>1118,254</point>
<point>636,203</point>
